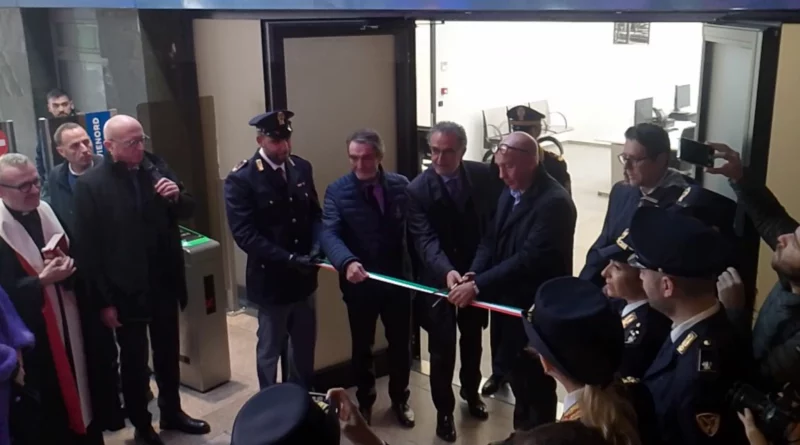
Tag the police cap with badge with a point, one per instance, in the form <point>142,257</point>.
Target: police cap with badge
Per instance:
<point>274,124</point>
<point>676,244</point>
<point>285,414</point>
<point>521,117</point>
<point>715,210</point>
<point>571,315</point>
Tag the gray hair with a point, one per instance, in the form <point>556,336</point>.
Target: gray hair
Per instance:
<point>16,160</point>
<point>368,137</point>
<point>451,128</point>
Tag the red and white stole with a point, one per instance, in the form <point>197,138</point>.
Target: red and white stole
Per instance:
<point>74,386</point>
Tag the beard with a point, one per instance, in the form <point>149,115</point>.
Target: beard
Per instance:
<point>790,271</point>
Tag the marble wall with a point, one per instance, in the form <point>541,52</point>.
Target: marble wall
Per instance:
<point>16,94</point>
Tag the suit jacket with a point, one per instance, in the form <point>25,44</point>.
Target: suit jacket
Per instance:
<point>437,222</point>
<point>270,219</point>
<point>132,254</point>
<point>57,192</point>
<point>526,245</point>
<point>645,332</point>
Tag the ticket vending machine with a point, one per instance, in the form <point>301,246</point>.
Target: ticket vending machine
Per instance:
<point>204,353</point>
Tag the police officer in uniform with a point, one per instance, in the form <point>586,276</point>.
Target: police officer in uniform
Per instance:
<point>680,259</point>
<point>648,182</point>
<point>645,329</point>
<point>522,118</point>
<point>275,217</point>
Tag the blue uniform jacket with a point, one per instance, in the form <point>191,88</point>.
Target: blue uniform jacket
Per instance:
<point>271,219</point>
<point>355,230</point>
<point>689,381</point>
<point>645,332</point>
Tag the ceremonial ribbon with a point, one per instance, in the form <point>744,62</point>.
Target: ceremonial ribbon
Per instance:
<point>499,308</point>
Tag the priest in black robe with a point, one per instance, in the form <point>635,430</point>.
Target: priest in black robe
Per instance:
<point>66,372</point>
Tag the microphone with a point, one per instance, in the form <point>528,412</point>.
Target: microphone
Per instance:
<point>150,168</point>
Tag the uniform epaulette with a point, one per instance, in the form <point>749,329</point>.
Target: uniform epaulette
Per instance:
<point>686,343</point>
<point>707,359</point>
<point>239,165</point>
<point>630,380</point>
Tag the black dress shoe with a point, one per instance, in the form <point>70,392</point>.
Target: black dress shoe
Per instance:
<point>404,414</point>
<point>445,428</point>
<point>147,436</point>
<point>477,408</point>
<point>185,424</point>
<point>366,413</point>
<point>492,385</point>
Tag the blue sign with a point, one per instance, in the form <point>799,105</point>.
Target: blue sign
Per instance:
<point>94,126</point>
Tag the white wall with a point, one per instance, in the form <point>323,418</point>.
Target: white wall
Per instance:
<point>575,66</point>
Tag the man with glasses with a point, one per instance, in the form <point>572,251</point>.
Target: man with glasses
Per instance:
<point>127,213</point>
<point>648,182</point>
<point>450,207</point>
<point>530,242</point>
<point>66,367</point>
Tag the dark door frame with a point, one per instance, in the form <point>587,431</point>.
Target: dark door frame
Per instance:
<point>764,39</point>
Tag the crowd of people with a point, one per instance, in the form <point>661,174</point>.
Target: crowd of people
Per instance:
<point>648,340</point>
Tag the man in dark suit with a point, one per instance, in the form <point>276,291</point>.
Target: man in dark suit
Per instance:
<point>275,217</point>
<point>364,227</point>
<point>127,213</point>
<point>522,118</point>
<point>59,105</point>
<point>449,209</point>
<point>529,243</point>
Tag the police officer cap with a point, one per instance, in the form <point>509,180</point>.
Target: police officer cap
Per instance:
<point>676,244</point>
<point>715,210</point>
<point>620,250</point>
<point>522,116</point>
<point>573,326</point>
<point>285,414</point>
<point>274,124</point>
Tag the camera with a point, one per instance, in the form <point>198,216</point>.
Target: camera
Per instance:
<point>774,414</point>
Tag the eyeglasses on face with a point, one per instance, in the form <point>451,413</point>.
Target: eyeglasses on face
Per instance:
<point>25,187</point>
<point>625,159</point>
<point>144,140</point>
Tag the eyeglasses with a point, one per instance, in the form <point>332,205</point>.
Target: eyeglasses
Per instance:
<point>442,152</point>
<point>25,187</point>
<point>132,143</point>
<point>503,148</point>
<point>625,159</point>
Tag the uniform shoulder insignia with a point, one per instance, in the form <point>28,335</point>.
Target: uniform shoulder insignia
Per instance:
<point>685,193</point>
<point>259,165</point>
<point>708,423</point>
<point>684,346</point>
<point>630,318</point>
<point>633,335</point>
<point>239,165</point>
<point>573,413</point>
<point>707,358</point>
<point>630,380</point>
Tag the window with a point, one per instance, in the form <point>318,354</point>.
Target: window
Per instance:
<point>631,33</point>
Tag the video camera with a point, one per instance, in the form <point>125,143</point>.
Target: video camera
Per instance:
<point>774,414</point>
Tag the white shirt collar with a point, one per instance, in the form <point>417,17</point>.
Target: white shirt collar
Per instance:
<point>678,330</point>
<point>572,398</point>
<point>78,174</point>
<point>630,307</point>
<point>269,161</point>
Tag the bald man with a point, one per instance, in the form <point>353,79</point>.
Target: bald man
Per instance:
<point>127,213</point>
<point>530,242</point>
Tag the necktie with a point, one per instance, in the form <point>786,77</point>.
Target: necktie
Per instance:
<point>282,171</point>
<point>517,197</point>
<point>453,188</point>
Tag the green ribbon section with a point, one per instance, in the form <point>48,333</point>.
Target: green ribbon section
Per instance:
<point>194,240</point>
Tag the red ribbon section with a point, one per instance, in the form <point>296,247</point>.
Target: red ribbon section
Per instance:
<point>66,381</point>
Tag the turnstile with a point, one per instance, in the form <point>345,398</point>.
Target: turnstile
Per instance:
<point>205,360</point>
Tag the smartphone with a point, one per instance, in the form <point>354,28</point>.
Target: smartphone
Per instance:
<point>696,153</point>
<point>53,244</point>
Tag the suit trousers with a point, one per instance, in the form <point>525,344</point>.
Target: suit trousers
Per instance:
<point>441,327</point>
<point>534,391</point>
<point>133,357</point>
<point>394,309</point>
<point>287,332</point>
<point>502,358</point>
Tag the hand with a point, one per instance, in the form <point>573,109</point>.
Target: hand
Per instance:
<point>52,254</point>
<point>453,279</point>
<point>355,273</point>
<point>467,277</point>
<point>463,295</point>
<point>754,436</point>
<point>20,378</point>
<point>730,289</point>
<point>316,255</point>
<point>57,270</point>
<point>110,317</point>
<point>338,398</point>
<point>302,261</point>
<point>732,168</point>
<point>167,189</point>
<point>355,428</point>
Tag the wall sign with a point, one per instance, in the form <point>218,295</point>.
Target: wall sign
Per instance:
<point>94,126</point>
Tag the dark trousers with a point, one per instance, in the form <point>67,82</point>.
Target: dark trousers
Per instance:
<point>287,332</point>
<point>441,329</point>
<point>133,357</point>
<point>394,309</point>
<point>502,358</point>
<point>534,391</point>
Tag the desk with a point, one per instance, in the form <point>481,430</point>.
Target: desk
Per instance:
<point>617,169</point>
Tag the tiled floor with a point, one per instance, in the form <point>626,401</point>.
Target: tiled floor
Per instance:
<point>590,174</point>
